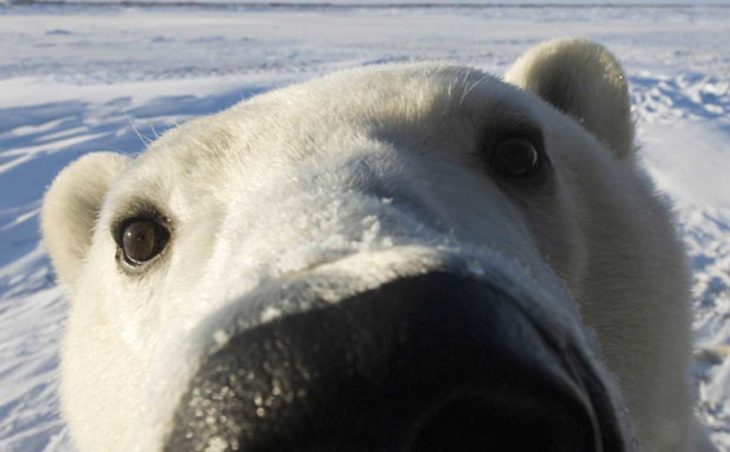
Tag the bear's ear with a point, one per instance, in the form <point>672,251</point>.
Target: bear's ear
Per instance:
<point>71,208</point>
<point>584,80</point>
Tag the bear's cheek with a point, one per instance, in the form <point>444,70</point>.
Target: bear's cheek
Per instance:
<point>101,373</point>
<point>556,232</point>
<point>555,213</point>
<point>115,303</point>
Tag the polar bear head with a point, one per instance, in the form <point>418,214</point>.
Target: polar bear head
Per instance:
<point>402,257</point>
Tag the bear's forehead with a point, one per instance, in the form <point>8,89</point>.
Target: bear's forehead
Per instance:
<point>423,105</point>
<point>419,100</point>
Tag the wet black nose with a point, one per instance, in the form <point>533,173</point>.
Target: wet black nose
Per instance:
<point>437,362</point>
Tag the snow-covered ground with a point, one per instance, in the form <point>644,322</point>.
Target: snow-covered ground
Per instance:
<point>75,79</point>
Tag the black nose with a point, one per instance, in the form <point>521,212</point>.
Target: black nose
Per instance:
<point>436,362</point>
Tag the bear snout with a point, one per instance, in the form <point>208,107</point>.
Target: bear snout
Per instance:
<point>432,362</point>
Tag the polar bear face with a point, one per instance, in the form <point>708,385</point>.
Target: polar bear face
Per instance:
<point>387,257</point>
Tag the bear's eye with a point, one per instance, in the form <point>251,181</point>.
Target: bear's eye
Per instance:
<point>517,158</point>
<point>142,239</point>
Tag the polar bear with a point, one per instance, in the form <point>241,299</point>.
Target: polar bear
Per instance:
<point>399,257</point>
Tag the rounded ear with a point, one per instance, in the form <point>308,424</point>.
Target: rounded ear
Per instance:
<point>71,208</point>
<point>584,80</point>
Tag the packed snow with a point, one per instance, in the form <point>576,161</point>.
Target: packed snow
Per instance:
<point>75,79</point>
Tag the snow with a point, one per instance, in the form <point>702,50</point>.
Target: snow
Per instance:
<point>75,79</point>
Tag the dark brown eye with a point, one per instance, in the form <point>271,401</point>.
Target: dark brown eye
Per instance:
<point>142,239</point>
<point>516,158</point>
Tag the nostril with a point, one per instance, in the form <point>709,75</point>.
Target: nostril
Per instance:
<point>465,424</point>
<point>502,420</point>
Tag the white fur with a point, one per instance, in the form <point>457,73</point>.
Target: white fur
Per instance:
<point>368,173</point>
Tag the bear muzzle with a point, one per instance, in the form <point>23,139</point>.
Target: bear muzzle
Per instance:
<point>438,361</point>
